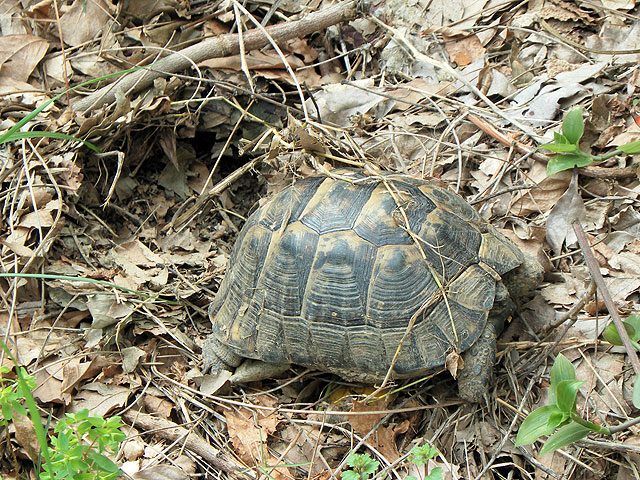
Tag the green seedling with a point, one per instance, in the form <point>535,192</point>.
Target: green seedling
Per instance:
<point>419,456</point>
<point>632,326</point>
<point>79,448</point>
<point>559,420</point>
<point>567,148</point>
<point>79,445</point>
<point>363,466</point>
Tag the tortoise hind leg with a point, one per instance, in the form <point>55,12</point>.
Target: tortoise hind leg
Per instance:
<point>216,356</point>
<point>477,375</point>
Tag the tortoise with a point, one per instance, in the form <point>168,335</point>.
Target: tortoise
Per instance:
<point>336,272</point>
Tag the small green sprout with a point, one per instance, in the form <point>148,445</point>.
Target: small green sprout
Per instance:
<point>566,146</point>
<point>559,419</point>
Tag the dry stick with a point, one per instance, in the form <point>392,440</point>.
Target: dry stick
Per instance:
<point>221,46</point>
<point>193,442</point>
<point>594,269</point>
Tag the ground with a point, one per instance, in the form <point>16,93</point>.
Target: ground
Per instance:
<point>140,190</point>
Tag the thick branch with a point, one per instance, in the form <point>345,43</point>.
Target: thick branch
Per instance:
<point>217,47</point>
<point>192,441</point>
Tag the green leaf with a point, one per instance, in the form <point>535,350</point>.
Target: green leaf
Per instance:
<point>19,408</point>
<point>558,163</point>
<point>559,138</point>
<point>573,125</point>
<point>560,147</point>
<point>564,436</point>
<point>566,394</point>
<point>435,474</point>
<point>349,475</point>
<point>631,148</point>
<point>536,425</point>
<point>557,419</point>
<point>562,370</point>
<point>63,441</point>
<point>612,336</point>
<point>103,463</point>
<point>363,464</point>
<point>631,325</point>
<point>34,113</point>
<point>421,454</point>
<point>370,466</point>
<point>636,392</point>
<point>7,411</point>
<point>634,321</point>
<point>78,464</point>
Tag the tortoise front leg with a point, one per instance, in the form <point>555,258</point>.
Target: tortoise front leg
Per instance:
<point>477,375</point>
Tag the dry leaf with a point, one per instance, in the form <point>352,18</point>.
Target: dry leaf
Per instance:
<point>249,431</point>
<point>26,435</point>
<point>84,21</point>
<point>385,435</point>
<point>159,406</point>
<point>546,194</point>
<point>465,50</point>
<point>19,56</point>
<point>100,399</point>
<point>568,209</point>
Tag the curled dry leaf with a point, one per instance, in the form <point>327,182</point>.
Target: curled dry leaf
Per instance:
<point>546,194</point>
<point>26,435</point>
<point>568,209</point>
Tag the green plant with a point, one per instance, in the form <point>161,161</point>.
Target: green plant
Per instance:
<point>79,447</point>
<point>560,419</point>
<point>419,456</point>
<point>79,442</point>
<point>363,466</point>
<point>12,396</point>
<point>566,146</point>
<point>631,325</point>
<point>14,132</point>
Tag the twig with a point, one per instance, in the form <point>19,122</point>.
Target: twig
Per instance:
<point>193,442</point>
<point>217,47</point>
<point>493,132</point>
<point>594,269</point>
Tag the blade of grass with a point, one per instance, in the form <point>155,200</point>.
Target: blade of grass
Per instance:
<point>31,406</point>
<point>58,135</point>
<point>31,115</point>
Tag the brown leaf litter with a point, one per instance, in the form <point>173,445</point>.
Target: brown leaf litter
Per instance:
<point>461,93</point>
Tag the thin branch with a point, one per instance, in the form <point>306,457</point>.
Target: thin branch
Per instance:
<point>594,269</point>
<point>222,46</point>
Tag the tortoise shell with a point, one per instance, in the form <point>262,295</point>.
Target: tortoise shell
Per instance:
<point>327,274</point>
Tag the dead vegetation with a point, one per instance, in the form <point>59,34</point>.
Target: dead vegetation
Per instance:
<point>456,91</point>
